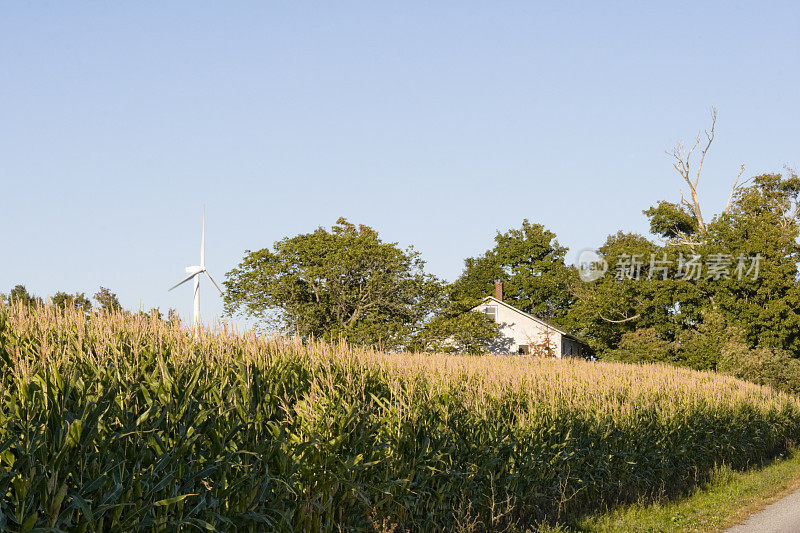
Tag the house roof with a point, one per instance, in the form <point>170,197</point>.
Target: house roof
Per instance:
<point>531,317</point>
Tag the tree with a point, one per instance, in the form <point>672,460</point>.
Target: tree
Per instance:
<point>454,330</point>
<point>683,319</point>
<point>765,366</point>
<point>760,223</point>
<point>763,220</point>
<point>79,301</point>
<point>530,262</point>
<point>747,259</point>
<point>107,300</point>
<point>153,314</point>
<point>343,283</point>
<point>747,281</point>
<point>699,348</point>
<point>20,295</point>
<point>633,294</point>
<point>683,223</point>
<point>173,318</point>
<point>682,165</point>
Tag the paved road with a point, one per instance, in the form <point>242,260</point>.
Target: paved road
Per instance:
<point>782,516</point>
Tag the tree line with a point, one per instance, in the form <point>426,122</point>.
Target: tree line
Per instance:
<point>691,293</point>
<point>346,283</point>
<point>105,301</point>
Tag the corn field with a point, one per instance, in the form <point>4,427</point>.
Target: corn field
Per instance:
<point>124,423</point>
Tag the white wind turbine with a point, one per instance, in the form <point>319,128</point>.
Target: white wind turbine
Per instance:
<point>194,272</point>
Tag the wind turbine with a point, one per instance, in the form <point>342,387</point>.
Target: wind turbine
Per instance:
<point>194,273</point>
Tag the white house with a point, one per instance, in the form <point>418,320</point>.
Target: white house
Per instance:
<point>524,334</point>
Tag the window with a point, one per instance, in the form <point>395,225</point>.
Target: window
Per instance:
<point>523,350</point>
<point>491,312</point>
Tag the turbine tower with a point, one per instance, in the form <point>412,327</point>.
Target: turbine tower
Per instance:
<point>194,273</point>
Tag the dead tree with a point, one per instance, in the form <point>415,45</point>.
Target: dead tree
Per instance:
<point>683,165</point>
<point>682,162</point>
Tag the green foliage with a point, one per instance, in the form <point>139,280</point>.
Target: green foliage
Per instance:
<point>79,301</point>
<point>699,348</point>
<point>671,221</point>
<point>633,297</point>
<point>107,300</point>
<point>684,321</point>
<point>763,220</point>
<point>340,284</point>
<point>19,295</point>
<point>154,313</point>
<point>766,366</point>
<point>644,345</point>
<point>458,332</point>
<point>530,262</point>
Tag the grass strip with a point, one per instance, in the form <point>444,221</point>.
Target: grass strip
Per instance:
<point>727,499</point>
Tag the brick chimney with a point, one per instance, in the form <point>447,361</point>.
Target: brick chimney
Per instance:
<point>498,290</point>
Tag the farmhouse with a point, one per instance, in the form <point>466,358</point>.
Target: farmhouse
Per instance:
<point>524,334</point>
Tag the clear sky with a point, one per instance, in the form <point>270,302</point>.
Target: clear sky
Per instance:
<point>436,123</point>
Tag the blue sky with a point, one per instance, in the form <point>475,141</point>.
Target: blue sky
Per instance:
<point>437,124</point>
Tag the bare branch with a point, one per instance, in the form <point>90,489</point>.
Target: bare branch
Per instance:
<point>627,319</point>
<point>796,211</point>
<point>733,190</point>
<point>682,165</point>
<point>682,240</point>
<point>710,139</point>
<point>684,202</point>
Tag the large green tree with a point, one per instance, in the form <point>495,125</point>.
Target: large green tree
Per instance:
<point>530,262</point>
<point>763,221</point>
<point>339,283</point>
<point>756,240</point>
<point>745,281</point>
<point>743,285</point>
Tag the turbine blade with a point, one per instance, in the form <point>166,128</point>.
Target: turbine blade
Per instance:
<point>187,278</point>
<point>203,242</point>
<point>214,282</point>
